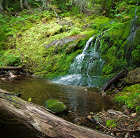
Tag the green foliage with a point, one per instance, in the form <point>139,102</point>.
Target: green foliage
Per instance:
<point>130,96</point>
<point>30,99</point>
<point>136,55</point>
<point>8,59</point>
<point>111,123</point>
<point>62,5</point>
<point>74,10</point>
<point>29,30</point>
<point>107,69</point>
<point>75,31</point>
<point>55,105</point>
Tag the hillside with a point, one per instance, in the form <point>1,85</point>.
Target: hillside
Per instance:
<point>30,31</point>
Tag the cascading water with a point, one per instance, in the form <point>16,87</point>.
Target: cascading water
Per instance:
<point>87,66</point>
<point>131,38</point>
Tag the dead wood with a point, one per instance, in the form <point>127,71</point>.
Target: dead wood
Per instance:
<point>113,80</point>
<point>11,68</point>
<point>43,121</point>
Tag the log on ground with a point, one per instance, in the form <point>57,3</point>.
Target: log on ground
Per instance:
<point>43,121</point>
<point>113,80</point>
<point>11,68</point>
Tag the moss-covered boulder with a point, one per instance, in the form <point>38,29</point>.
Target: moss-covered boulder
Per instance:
<point>133,77</point>
<point>70,42</point>
<point>55,106</point>
<point>94,89</point>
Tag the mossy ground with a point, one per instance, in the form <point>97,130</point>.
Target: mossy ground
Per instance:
<point>30,30</point>
<point>130,96</point>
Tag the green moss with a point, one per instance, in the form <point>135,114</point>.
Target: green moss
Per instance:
<point>55,105</point>
<point>137,40</point>
<point>111,123</point>
<point>136,55</point>
<point>130,96</point>
<point>33,29</point>
<point>94,89</point>
<point>107,69</point>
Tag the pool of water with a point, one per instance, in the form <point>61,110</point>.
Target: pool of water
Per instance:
<point>78,100</point>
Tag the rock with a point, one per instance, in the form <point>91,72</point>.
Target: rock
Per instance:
<point>70,42</point>
<point>3,79</point>
<point>94,89</point>
<point>79,120</point>
<point>115,114</point>
<point>133,114</point>
<point>125,110</point>
<point>133,77</point>
<point>55,106</point>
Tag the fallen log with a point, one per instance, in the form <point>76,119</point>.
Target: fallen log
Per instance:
<point>43,121</point>
<point>113,80</point>
<point>11,68</point>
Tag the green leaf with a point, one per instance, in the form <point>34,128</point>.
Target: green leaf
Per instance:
<point>29,100</point>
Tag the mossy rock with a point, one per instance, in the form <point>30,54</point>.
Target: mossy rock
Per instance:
<point>94,89</point>
<point>55,106</point>
<point>133,77</point>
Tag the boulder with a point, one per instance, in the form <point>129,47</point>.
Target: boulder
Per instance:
<point>70,42</point>
<point>133,77</point>
<point>55,106</point>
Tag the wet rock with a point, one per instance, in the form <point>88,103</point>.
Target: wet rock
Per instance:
<point>55,106</point>
<point>80,120</point>
<point>70,42</point>
<point>94,89</point>
<point>125,110</point>
<point>133,77</point>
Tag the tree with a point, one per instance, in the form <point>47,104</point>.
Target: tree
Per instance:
<point>1,6</point>
<point>82,4</point>
<point>44,2</point>
<point>26,4</point>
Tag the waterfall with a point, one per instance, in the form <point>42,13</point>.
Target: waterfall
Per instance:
<point>131,38</point>
<point>87,66</point>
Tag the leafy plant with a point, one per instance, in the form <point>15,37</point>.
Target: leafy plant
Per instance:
<point>111,123</point>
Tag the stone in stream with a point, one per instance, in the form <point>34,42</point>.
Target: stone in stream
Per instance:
<point>55,106</point>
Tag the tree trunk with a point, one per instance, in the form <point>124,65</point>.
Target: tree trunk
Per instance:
<point>40,119</point>
<point>7,3</point>
<point>1,6</point>
<point>44,2</point>
<point>11,68</point>
<point>26,4</point>
<point>21,6</point>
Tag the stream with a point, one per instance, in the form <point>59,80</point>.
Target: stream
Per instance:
<point>78,100</point>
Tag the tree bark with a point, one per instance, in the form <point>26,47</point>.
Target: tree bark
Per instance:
<point>11,68</point>
<point>113,80</point>
<point>40,119</point>
<point>44,2</point>
<point>26,4</point>
<point>7,3</point>
<point>21,5</point>
<point>1,6</point>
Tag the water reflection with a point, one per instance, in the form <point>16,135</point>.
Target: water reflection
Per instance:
<point>78,100</point>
